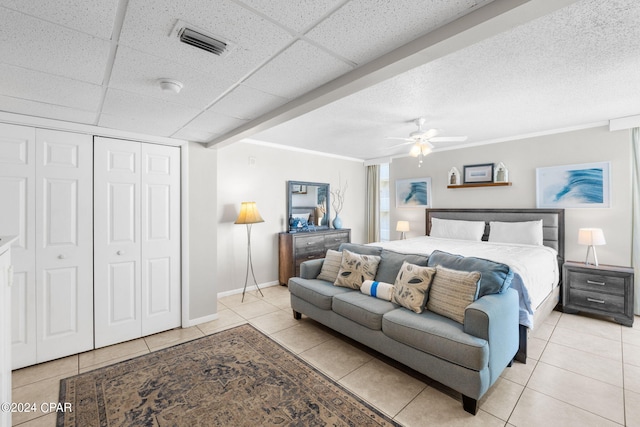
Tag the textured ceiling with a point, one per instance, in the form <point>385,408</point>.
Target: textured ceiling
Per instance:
<point>327,75</point>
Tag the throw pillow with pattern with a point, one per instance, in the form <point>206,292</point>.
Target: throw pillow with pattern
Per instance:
<point>355,269</point>
<point>452,291</point>
<point>412,286</point>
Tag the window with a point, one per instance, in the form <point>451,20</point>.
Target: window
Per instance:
<point>385,214</point>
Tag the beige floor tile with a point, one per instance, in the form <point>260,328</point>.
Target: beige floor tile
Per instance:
<point>632,335</point>
<point>112,361</point>
<point>553,317</point>
<point>584,363</point>
<point>632,378</point>
<point>304,335</point>
<point>336,357</point>
<point>501,398</point>
<point>591,395</point>
<point>535,347</point>
<point>249,310</point>
<point>434,408</point>
<point>235,300</point>
<point>274,322</point>
<point>227,318</point>
<point>631,354</point>
<point>543,331</point>
<point>42,392</point>
<point>383,386</point>
<point>112,353</point>
<point>632,408</point>
<point>48,420</point>
<point>584,323</point>
<point>172,337</point>
<point>520,373</point>
<point>65,367</point>
<point>587,342</point>
<point>536,409</point>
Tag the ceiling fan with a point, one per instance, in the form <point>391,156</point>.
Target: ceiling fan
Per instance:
<point>422,140</point>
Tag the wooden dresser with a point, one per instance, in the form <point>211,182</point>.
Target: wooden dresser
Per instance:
<point>295,248</point>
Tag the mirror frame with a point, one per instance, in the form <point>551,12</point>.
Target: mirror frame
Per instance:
<point>290,192</point>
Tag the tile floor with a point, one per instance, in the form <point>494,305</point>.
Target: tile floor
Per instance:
<point>582,371</point>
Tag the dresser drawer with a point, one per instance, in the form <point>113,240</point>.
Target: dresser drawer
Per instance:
<point>335,240</point>
<point>596,282</point>
<point>309,245</point>
<point>605,302</point>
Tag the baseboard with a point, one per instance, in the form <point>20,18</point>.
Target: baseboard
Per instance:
<point>249,288</point>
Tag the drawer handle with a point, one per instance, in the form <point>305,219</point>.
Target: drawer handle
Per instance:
<point>599,301</point>
<point>593,282</point>
<point>309,243</point>
<point>310,257</point>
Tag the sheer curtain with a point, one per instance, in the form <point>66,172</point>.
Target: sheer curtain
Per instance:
<point>373,203</point>
<point>635,249</point>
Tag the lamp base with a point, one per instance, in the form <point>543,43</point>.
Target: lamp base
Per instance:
<point>595,256</point>
<point>249,266</point>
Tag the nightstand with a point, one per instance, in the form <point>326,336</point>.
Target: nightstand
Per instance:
<point>605,290</point>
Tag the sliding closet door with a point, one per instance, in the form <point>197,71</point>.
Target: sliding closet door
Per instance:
<point>17,218</point>
<point>160,238</point>
<point>117,233</point>
<point>64,243</point>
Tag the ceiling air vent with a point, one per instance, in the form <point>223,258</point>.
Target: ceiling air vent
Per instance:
<point>196,37</point>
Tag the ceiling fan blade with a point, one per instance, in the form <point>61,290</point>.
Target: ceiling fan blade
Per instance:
<point>448,139</point>
<point>401,139</point>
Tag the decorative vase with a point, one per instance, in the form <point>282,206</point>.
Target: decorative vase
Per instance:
<point>337,223</point>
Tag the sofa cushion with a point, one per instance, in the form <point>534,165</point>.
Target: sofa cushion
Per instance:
<point>317,292</point>
<point>438,336</point>
<point>330,266</point>
<point>380,290</point>
<point>452,291</point>
<point>362,309</point>
<point>391,261</point>
<point>496,277</point>
<point>355,269</point>
<point>412,286</point>
<point>360,249</point>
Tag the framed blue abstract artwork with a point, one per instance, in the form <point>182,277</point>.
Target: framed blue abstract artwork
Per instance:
<point>586,185</point>
<point>413,193</point>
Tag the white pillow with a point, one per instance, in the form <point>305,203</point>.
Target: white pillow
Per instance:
<point>526,233</point>
<point>456,229</point>
<point>304,216</point>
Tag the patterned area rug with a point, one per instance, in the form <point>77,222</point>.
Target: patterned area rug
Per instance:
<point>238,377</point>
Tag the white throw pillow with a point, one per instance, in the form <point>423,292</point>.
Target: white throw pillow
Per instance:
<point>456,229</point>
<point>526,233</point>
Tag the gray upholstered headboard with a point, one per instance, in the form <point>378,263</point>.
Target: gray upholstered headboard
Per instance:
<point>552,221</point>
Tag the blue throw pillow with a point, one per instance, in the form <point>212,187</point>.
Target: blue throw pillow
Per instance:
<point>496,277</point>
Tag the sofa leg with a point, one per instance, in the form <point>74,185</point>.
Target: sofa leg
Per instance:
<point>297,315</point>
<point>521,355</point>
<point>510,364</point>
<point>470,405</point>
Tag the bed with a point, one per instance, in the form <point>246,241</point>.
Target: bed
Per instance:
<point>537,268</point>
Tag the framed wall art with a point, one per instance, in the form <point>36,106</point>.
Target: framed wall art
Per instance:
<point>478,173</point>
<point>586,185</point>
<point>413,193</point>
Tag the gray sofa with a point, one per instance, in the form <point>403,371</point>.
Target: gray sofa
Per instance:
<point>467,357</point>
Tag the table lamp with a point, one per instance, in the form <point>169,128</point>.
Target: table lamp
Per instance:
<point>403,227</point>
<point>591,237</point>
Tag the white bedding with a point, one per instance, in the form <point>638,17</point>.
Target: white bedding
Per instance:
<point>535,267</point>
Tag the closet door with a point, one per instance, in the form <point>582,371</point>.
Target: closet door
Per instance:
<point>17,218</point>
<point>160,238</point>
<point>117,248</point>
<point>64,244</point>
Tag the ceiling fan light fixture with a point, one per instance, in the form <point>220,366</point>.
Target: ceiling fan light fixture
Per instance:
<point>415,151</point>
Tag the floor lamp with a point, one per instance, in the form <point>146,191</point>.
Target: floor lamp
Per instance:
<point>249,215</point>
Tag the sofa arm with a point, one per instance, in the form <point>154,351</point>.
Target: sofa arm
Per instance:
<point>311,269</point>
<point>495,318</point>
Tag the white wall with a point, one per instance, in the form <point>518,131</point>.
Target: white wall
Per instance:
<point>254,172</point>
<point>522,158</point>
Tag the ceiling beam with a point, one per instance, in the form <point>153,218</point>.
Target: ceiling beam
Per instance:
<point>487,21</point>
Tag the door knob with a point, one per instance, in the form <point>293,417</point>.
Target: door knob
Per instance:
<point>61,256</point>
<point>120,252</point>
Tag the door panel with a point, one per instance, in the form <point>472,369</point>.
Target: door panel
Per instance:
<point>64,244</point>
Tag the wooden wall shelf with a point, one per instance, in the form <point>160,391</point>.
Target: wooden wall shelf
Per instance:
<point>481,184</point>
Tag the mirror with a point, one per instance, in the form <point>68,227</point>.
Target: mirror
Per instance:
<point>308,201</point>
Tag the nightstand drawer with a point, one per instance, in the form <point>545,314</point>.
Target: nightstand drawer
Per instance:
<point>596,282</point>
<point>598,301</point>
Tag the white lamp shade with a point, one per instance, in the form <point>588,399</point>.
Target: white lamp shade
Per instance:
<point>402,226</point>
<point>249,214</point>
<point>591,236</point>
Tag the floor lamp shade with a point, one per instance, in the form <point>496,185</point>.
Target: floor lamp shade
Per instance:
<point>249,214</point>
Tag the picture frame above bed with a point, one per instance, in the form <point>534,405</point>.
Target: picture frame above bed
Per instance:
<point>413,193</point>
<point>586,185</point>
<point>475,174</point>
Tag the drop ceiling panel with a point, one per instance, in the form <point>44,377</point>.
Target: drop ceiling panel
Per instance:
<point>38,45</point>
<point>138,72</point>
<point>297,70</point>
<point>194,135</point>
<point>49,89</point>
<point>144,114</point>
<point>213,122</point>
<point>297,15</point>
<point>380,26</point>
<point>244,102</point>
<point>148,25</point>
<point>39,109</point>
<point>93,17</point>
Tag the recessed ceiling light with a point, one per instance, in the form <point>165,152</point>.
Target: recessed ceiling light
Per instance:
<point>170,85</point>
